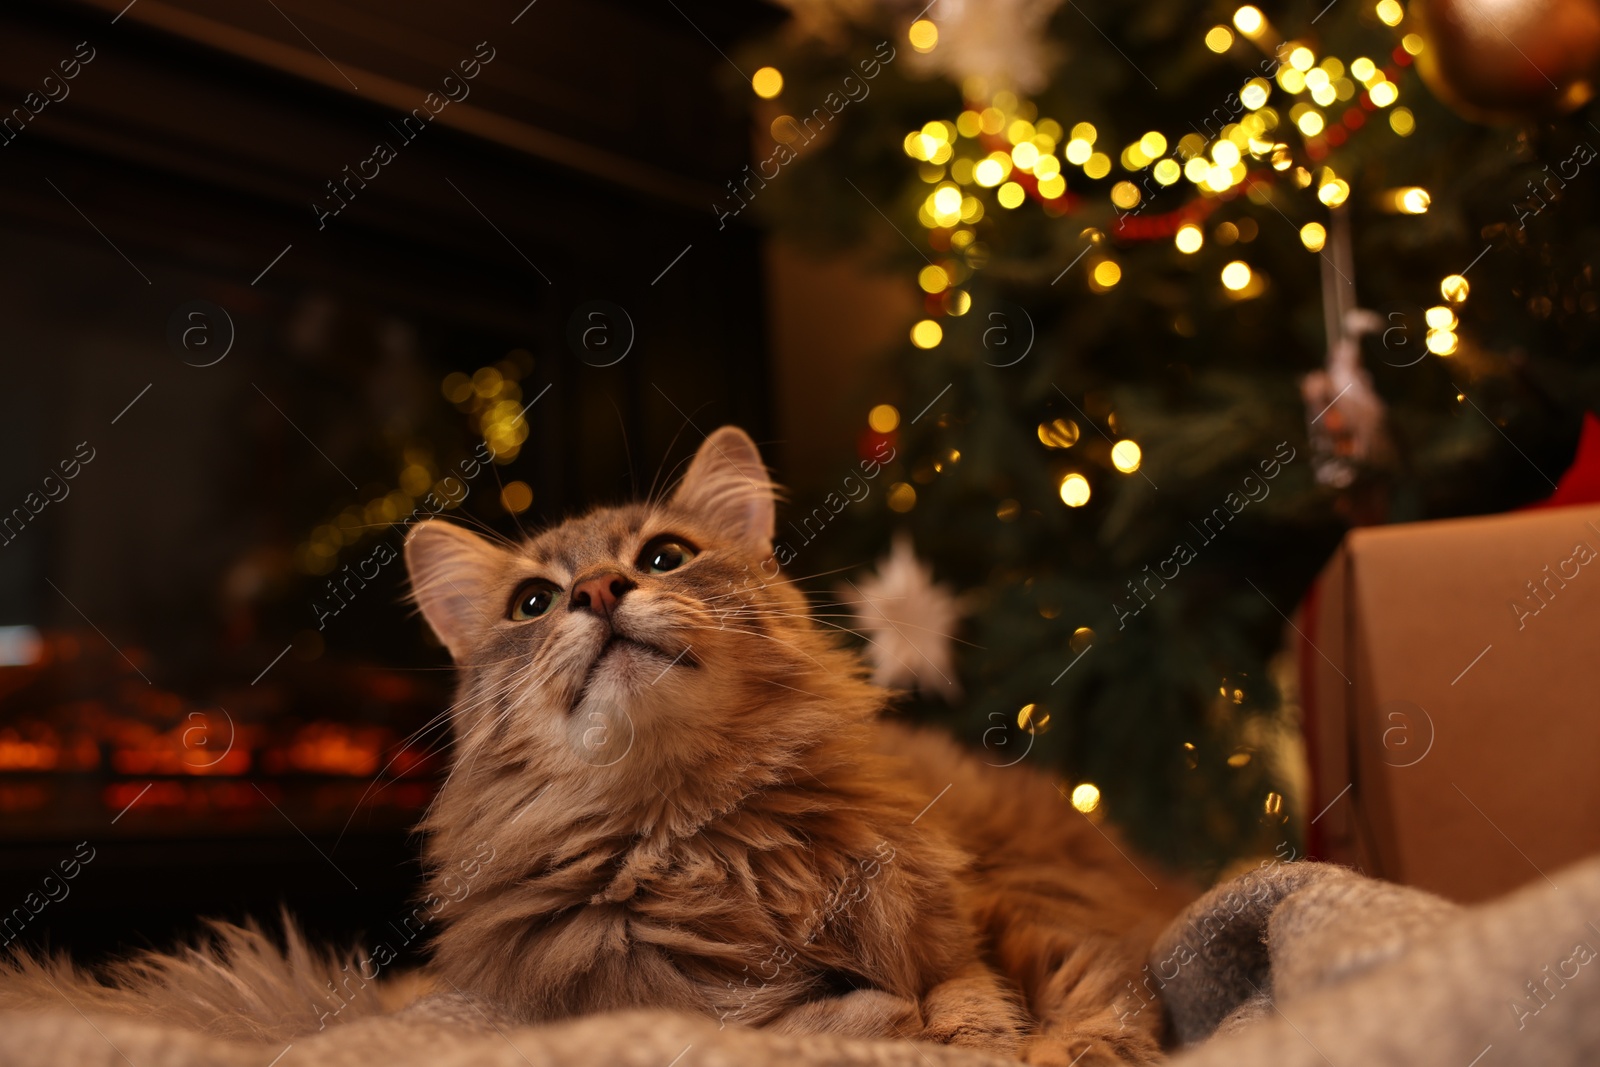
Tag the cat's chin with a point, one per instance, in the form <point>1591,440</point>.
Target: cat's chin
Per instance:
<point>623,664</point>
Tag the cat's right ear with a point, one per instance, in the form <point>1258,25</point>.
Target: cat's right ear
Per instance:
<point>453,572</point>
<point>728,483</point>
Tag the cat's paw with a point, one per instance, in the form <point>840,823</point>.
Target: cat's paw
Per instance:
<point>975,1032</point>
<point>862,1013</point>
<point>1082,1049</point>
<point>974,1010</point>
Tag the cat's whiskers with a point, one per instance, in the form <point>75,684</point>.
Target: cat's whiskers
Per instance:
<point>470,702</point>
<point>862,636</point>
<point>822,617</point>
<point>695,616</point>
<point>722,628</point>
<point>490,532</point>
<point>438,721</point>
<point>627,449</point>
<point>478,735</point>
<point>672,480</point>
<point>378,783</point>
<point>792,689</point>
<point>766,583</point>
<point>442,718</point>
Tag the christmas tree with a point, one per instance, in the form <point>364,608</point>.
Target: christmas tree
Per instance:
<point>1203,287</point>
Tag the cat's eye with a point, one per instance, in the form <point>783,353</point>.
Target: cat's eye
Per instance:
<point>533,599</point>
<point>664,554</point>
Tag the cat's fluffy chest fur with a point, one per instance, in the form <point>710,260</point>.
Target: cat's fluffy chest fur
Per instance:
<point>744,905</point>
<point>746,840</point>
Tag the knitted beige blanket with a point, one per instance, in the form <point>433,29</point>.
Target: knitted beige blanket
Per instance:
<point>1291,964</point>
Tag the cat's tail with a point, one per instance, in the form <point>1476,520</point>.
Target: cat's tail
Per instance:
<point>231,982</point>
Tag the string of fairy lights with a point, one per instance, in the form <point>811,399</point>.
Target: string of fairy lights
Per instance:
<point>1000,155</point>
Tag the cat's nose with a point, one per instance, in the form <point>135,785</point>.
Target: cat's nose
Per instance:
<point>600,592</point>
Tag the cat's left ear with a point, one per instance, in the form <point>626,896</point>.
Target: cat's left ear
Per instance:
<point>728,483</point>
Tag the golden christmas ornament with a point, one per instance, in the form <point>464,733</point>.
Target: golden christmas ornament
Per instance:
<point>1509,60</point>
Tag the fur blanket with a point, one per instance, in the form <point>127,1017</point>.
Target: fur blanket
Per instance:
<point>1290,964</point>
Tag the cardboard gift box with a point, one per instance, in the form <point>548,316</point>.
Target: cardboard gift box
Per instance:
<point>1451,685</point>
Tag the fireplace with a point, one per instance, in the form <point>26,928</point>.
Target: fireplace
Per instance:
<point>245,354</point>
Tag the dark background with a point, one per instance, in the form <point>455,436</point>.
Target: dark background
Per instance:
<point>187,157</point>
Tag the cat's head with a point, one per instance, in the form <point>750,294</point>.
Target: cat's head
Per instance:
<point>634,640</point>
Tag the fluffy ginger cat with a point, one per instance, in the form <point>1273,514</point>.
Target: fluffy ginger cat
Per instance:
<point>706,814</point>
<point>688,802</point>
